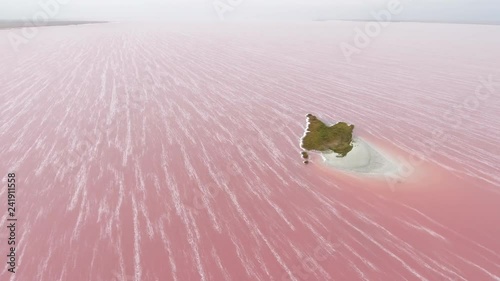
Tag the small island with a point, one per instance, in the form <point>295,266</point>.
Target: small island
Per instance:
<point>305,156</point>
<point>338,149</point>
<point>323,138</point>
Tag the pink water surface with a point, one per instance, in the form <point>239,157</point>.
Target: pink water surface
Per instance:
<point>149,152</point>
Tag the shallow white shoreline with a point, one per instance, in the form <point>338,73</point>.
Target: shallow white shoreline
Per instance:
<point>364,158</point>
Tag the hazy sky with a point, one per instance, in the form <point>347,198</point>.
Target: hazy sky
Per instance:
<point>432,10</point>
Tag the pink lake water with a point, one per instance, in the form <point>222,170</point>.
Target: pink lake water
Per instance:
<point>147,152</point>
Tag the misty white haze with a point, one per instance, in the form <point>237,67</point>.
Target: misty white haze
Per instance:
<point>483,11</point>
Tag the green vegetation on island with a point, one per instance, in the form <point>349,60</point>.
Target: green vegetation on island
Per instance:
<point>323,138</point>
